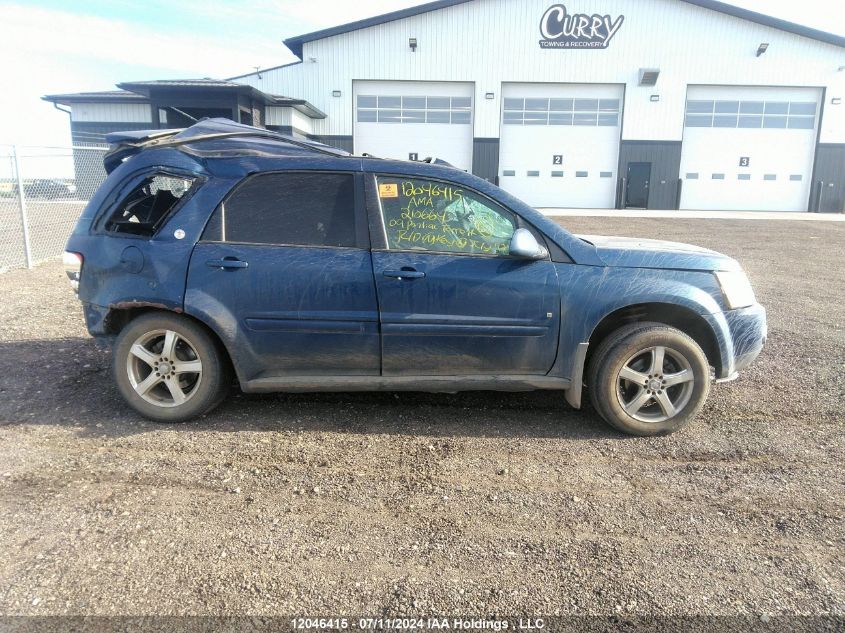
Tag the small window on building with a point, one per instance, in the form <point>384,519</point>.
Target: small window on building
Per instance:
<point>774,122</point>
<point>540,105</point>
<point>699,107</point>
<point>699,120</point>
<point>801,123</point>
<point>581,174</point>
<point>367,116</point>
<point>536,118</point>
<point>460,117</point>
<point>751,107</point>
<point>692,176</point>
<point>585,118</point>
<point>796,177</point>
<point>557,174</point>
<point>413,116</point>
<point>148,205</point>
<point>390,102</point>
<point>724,120</point>
<point>750,121</point>
<point>770,177</point>
<point>533,174</point>
<point>509,172</point>
<point>606,174</point>
<point>727,107</point>
<point>389,116</point>
<point>313,209</point>
<point>718,176</point>
<point>560,118</point>
<point>438,103</point>
<point>437,116</point>
<point>777,107</point>
<point>417,103</point>
<point>586,105</point>
<point>560,105</point>
<point>744,177</point>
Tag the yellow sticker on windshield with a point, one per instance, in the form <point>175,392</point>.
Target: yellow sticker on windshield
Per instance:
<point>388,190</point>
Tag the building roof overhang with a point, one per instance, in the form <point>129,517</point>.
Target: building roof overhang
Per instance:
<point>141,91</point>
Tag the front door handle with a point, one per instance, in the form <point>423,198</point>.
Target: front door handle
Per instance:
<point>226,262</point>
<point>404,274</point>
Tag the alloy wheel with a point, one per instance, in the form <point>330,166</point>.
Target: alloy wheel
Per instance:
<point>164,368</point>
<point>655,384</point>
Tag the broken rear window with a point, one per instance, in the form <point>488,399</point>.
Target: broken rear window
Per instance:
<point>148,205</point>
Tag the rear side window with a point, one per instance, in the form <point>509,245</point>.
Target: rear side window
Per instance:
<point>303,209</point>
<point>148,205</point>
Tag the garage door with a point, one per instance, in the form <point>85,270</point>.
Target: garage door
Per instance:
<point>560,143</point>
<point>397,119</point>
<point>748,148</point>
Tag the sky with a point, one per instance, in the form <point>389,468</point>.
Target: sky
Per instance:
<point>55,46</point>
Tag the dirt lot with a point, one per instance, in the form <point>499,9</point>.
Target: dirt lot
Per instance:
<point>391,504</point>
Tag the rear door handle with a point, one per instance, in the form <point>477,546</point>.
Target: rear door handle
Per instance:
<point>227,262</point>
<point>404,274</point>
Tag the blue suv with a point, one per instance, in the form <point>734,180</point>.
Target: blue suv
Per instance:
<point>224,250</point>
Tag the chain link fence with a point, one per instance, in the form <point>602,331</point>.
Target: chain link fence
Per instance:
<point>43,190</point>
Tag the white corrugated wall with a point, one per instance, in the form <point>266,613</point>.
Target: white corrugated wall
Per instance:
<point>489,42</point>
<point>111,112</point>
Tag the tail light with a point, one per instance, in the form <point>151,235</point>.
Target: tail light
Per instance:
<point>73,268</point>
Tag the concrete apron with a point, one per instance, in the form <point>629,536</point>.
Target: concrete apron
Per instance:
<point>681,215</point>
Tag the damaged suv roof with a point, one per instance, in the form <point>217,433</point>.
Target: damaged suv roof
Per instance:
<point>213,138</point>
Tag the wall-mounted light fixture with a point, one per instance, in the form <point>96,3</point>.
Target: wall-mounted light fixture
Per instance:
<point>836,101</point>
<point>762,48</point>
<point>412,42</point>
<point>336,93</point>
<point>655,98</point>
<point>489,95</point>
<point>840,69</point>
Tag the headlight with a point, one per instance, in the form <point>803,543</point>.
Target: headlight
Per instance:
<point>736,289</point>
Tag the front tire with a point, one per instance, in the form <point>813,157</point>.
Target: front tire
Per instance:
<point>168,368</point>
<point>648,379</point>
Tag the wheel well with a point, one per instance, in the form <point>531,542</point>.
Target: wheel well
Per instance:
<point>119,318</point>
<point>684,319</point>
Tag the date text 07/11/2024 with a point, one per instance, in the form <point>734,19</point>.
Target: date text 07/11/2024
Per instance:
<point>412,623</point>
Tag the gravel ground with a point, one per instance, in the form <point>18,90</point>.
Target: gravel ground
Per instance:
<point>388,504</point>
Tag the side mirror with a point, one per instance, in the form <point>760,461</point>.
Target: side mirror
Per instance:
<point>524,244</point>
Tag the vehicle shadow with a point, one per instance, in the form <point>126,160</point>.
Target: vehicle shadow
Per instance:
<point>68,382</point>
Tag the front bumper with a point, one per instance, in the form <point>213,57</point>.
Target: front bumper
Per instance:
<point>748,331</point>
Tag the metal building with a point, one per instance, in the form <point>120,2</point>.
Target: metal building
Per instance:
<point>661,104</point>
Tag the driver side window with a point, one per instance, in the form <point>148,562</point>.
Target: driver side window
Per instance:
<point>429,215</point>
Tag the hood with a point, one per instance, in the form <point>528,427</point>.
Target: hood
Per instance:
<point>632,252</point>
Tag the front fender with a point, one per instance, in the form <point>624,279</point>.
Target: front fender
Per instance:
<point>591,293</point>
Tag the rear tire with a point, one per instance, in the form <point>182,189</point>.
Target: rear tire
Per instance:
<point>648,379</point>
<point>169,368</point>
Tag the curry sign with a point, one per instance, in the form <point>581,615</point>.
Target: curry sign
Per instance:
<point>578,30</point>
